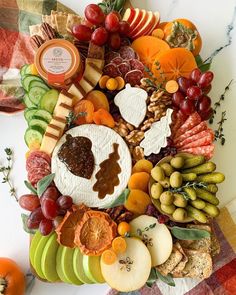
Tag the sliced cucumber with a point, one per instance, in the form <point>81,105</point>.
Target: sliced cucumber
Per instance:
<point>36,93</point>
<point>28,78</point>
<point>36,122</point>
<point>33,134</point>
<point>49,100</point>
<point>28,113</point>
<point>38,84</point>
<point>22,70</point>
<point>42,115</point>
<point>28,70</point>
<point>28,103</point>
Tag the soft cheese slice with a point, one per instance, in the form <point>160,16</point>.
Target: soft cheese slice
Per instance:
<point>48,143</point>
<point>92,73</point>
<point>54,130</point>
<point>132,104</point>
<point>81,189</point>
<point>77,91</point>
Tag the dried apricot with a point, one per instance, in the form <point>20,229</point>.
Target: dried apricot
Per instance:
<point>103,117</point>
<point>98,99</point>
<point>84,109</point>
<point>137,201</point>
<point>142,165</point>
<point>119,245</point>
<point>123,228</point>
<point>109,257</point>
<point>139,180</point>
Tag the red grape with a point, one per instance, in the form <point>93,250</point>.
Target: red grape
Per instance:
<point>206,115</point>
<point>204,104</point>
<point>184,84</point>
<point>50,208</point>
<point>187,107</point>
<point>35,218</point>
<point>29,202</point>
<point>112,22</point>
<point>57,221</point>
<point>65,202</point>
<point>99,36</point>
<point>114,41</point>
<point>82,32</point>
<point>177,98</point>
<point>124,28</point>
<point>94,14</point>
<point>205,79</point>
<point>117,14</point>
<point>207,89</point>
<point>50,193</point>
<point>194,92</point>
<point>45,227</point>
<point>86,23</point>
<point>195,75</point>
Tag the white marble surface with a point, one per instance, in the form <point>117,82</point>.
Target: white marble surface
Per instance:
<point>215,20</point>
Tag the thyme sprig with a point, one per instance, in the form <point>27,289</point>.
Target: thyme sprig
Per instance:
<point>147,228</point>
<point>72,117</point>
<point>152,81</point>
<point>219,133</point>
<point>6,171</point>
<point>193,185</point>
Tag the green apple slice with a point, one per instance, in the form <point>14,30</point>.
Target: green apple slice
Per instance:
<point>92,268</point>
<point>67,266</point>
<point>131,269</point>
<point>78,267</point>
<point>34,243</point>
<point>48,260</point>
<point>157,238</point>
<point>59,266</point>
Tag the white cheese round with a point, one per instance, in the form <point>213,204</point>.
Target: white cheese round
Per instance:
<point>81,189</point>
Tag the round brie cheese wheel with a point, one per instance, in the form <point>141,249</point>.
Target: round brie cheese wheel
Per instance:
<point>81,189</point>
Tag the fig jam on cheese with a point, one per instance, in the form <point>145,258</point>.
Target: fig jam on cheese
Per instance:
<point>77,155</point>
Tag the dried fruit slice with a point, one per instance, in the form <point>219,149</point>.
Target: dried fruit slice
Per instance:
<point>95,233</point>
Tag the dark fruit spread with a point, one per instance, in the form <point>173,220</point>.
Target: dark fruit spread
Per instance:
<point>77,155</point>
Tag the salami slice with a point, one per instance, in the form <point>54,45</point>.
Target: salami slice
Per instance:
<point>136,64</point>
<point>191,122</point>
<point>111,70</point>
<point>38,159</point>
<point>197,129</point>
<point>37,174</point>
<point>133,77</point>
<point>203,139</point>
<point>206,150</point>
<point>196,137</point>
<point>124,68</point>
<point>178,120</point>
<point>117,60</point>
<point>126,52</point>
<point>110,56</point>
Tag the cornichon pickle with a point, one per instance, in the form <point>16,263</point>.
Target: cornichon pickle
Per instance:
<point>177,162</point>
<point>212,188</point>
<point>168,169</point>
<point>168,209</point>
<point>189,176</point>
<point>194,161</point>
<point>179,214</point>
<point>191,193</point>
<point>176,179</point>
<point>167,198</point>
<point>211,210</point>
<point>158,173</point>
<point>165,183</point>
<point>201,169</point>
<point>196,214</point>
<point>156,190</point>
<point>214,177</point>
<point>207,196</point>
<point>198,203</point>
<point>179,200</point>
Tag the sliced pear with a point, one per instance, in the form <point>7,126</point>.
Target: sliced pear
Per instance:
<point>78,267</point>
<point>59,266</point>
<point>33,245</point>
<point>48,260</point>
<point>92,268</point>
<point>157,238</point>
<point>131,269</point>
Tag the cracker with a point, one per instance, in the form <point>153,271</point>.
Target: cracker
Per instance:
<point>72,20</point>
<point>35,30</point>
<point>203,244</point>
<point>61,20</point>
<point>176,272</point>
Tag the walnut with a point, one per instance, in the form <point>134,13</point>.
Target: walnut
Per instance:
<point>47,31</point>
<point>156,95</point>
<point>135,137</point>
<point>36,41</point>
<point>123,128</point>
<point>147,124</point>
<point>137,153</point>
<point>119,213</point>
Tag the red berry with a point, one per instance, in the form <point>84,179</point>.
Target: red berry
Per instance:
<point>187,107</point>
<point>114,41</point>
<point>45,227</point>
<point>29,202</point>
<point>124,28</point>
<point>94,14</point>
<point>82,32</point>
<point>50,193</point>
<point>207,89</point>
<point>35,218</point>
<point>99,36</point>
<point>195,75</point>
<point>194,92</point>
<point>177,98</point>
<point>205,79</point>
<point>112,22</point>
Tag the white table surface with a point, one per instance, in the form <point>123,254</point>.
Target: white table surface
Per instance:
<point>213,18</point>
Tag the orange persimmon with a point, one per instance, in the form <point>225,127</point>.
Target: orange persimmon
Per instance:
<point>183,33</point>
<point>174,63</point>
<point>84,109</point>
<point>103,117</point>
<point>12,280</point>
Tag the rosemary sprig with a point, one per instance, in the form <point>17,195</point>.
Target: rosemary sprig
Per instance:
<point>194,185</point>
<point>219,133</point>
<point>6,170</point>
<point>218,103</point>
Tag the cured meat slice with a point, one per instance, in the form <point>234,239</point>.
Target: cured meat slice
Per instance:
<point>110,56</point>
<point>37,163</point>
<point>196,137</point>
<point>133,77</point>
<point>206,150</point>
<point>124,68</point>
<point>191,122</point>
<point>136,65</point>
<point>127,52</point>
<point>111,70</point>
<point>201,139</point>
<point>117,60</point>
<point>178,120</point>
<point>197,129</point>
<point>38,159</point>
<point>37,174</point>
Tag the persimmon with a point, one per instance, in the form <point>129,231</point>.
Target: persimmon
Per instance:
<point>103,117</point>
<point>12,280</point>
<point>183,33</point>
<point>84,110</point>
<point>173,63</point>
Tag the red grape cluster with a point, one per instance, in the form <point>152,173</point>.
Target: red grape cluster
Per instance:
<point>192,94</point>
<point>46,211</point>
<point>101,28</point>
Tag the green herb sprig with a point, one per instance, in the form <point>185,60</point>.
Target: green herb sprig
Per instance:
<point>219,133</point>
<point>194,185</point>
<point>72,117</point>
<point>155,275</point>
<point>6,171</point>
<point>147,228</point>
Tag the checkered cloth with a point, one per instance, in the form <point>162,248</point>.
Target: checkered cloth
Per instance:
<point>15,50</point>
<point>223,279</point>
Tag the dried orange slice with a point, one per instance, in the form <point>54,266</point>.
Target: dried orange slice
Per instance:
<point>95,233</point>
